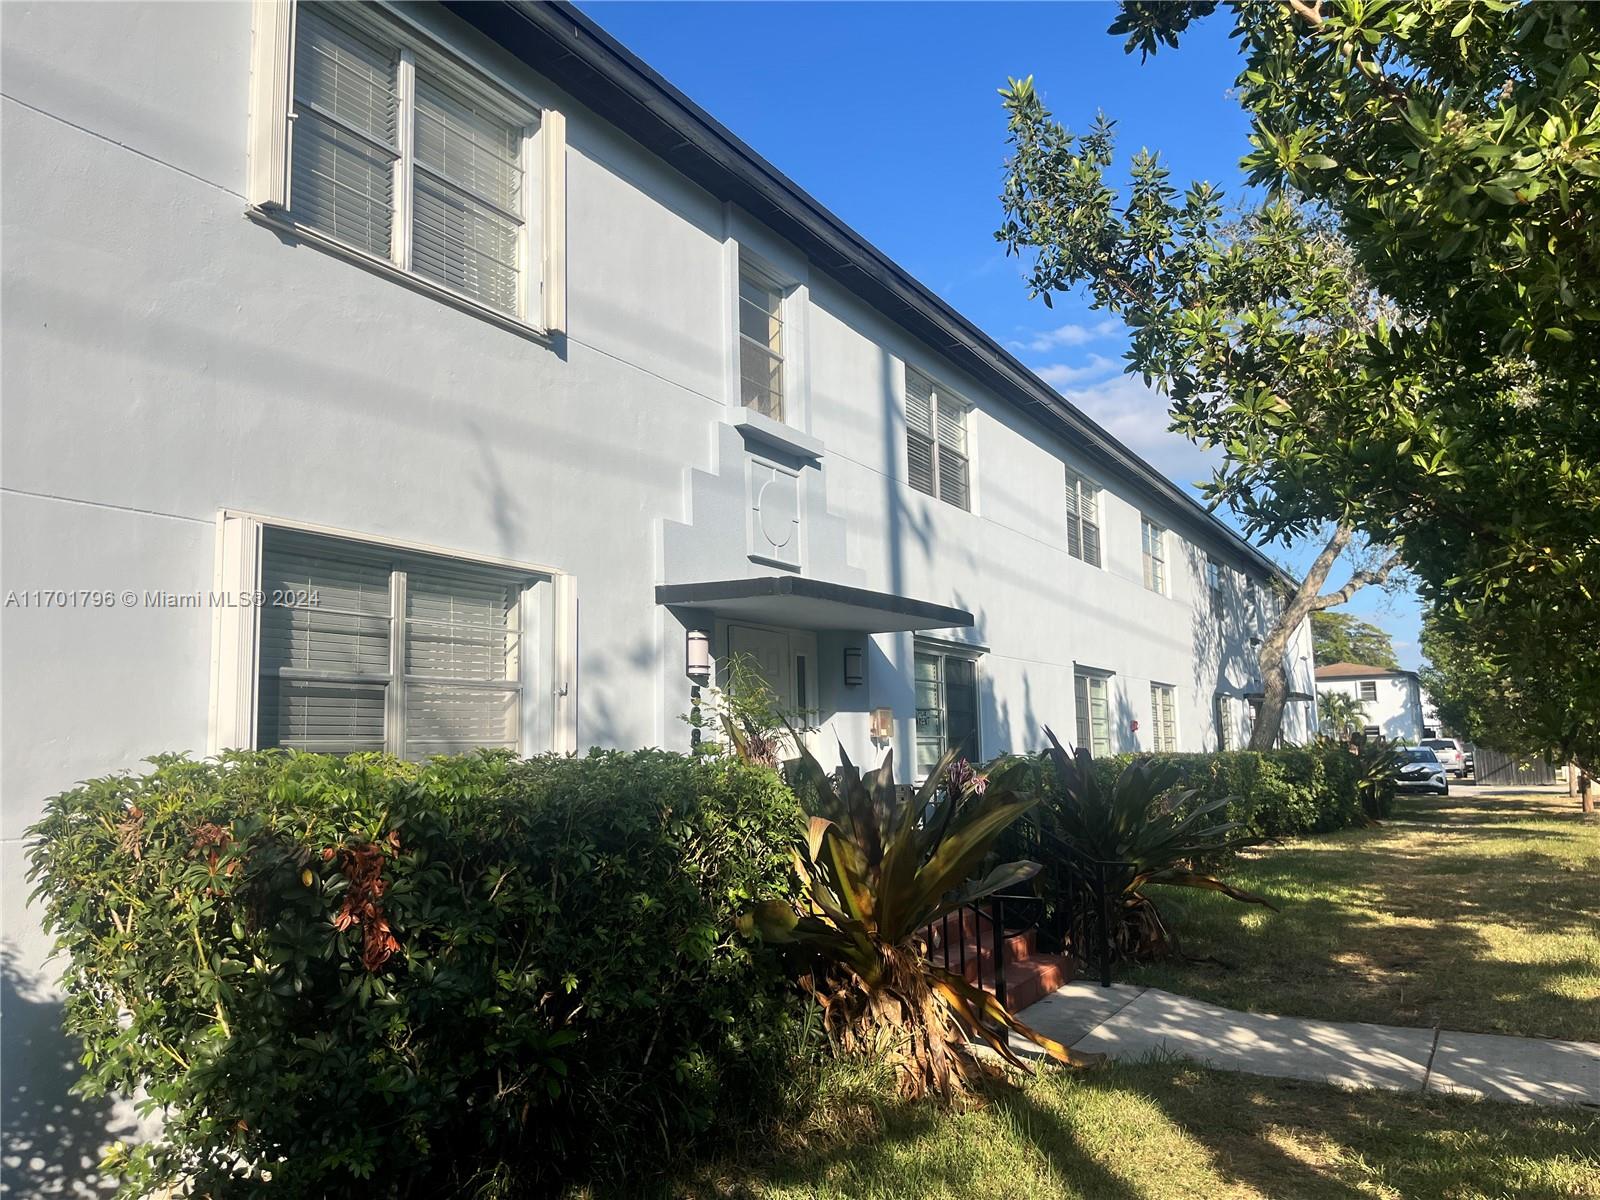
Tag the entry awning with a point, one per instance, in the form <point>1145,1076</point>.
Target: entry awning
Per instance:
<point>797,603</point>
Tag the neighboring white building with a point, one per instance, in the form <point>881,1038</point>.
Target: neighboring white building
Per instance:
<point>1393,699</point>
<point>501,370</point>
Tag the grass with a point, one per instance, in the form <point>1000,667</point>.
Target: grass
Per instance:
<point>1159,1129</point>
<point>1478,911</point>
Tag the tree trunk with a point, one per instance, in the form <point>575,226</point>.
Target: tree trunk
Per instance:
<point>1306,600</point>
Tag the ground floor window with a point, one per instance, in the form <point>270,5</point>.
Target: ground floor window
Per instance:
<point>367,648</point>
<point>1164,717</point>
<point>1092,701</point>
<point>947,707</point>
<point>1224,729</point>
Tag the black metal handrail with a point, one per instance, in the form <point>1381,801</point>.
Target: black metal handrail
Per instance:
<point>1085,879</point>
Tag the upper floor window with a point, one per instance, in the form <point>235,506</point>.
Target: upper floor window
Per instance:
<point>1083,519</point>
<point>366,649</point>
<point>1368,689</point>
<point>399,152</point>
<point>1155,555</point>
<point>1215,586</point>
<point>1092,700</point>
<point>936,441</point>
<point>761,344</point>
<point>1164,717</point>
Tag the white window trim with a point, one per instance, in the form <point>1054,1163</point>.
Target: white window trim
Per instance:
<point>549,716</point>
<point>1113,737</point>
<point>542,272</point>
<point>939,394</point>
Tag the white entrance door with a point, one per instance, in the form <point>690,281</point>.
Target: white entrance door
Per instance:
<point>769,652</point>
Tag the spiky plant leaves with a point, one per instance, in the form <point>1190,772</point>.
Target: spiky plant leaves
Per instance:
<point>1144,830</point>
<point>876,869</point>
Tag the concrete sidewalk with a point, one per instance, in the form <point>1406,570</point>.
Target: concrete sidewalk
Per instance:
<point>1124,1021</point>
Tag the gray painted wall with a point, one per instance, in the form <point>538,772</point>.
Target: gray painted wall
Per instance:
<point>164,358</point>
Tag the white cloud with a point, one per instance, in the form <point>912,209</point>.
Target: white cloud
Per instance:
<point>1137,417</point>
<point>1068,335</point>
<point>1062,374</point>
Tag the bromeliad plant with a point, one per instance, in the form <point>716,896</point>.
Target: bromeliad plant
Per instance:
<point>1144,830</point>
<point>878,868</point>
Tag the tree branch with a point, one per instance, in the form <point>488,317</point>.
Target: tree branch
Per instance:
<point>1355,583</point>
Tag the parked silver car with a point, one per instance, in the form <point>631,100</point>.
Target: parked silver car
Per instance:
<point>1419,770</point>
<point>1451,753</point>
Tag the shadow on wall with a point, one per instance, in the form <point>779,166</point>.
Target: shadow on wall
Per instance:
<point>53,1139</point>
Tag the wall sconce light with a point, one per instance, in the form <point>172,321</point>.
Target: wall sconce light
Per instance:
<point>697,655</point>
<point>855,666</point>
<point>882,726</point>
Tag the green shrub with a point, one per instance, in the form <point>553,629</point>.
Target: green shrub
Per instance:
<point>477,976</point>
<point>1275,793</point>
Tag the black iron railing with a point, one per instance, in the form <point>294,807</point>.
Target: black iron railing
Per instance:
<point>1084,897</point>
<point>971,942</point>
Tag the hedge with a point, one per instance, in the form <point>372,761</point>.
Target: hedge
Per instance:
<point>1277,793</point>
<point>479,976</point>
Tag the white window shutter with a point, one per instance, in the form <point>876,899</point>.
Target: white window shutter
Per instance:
<point>271,39</point>
<point>919,432</point>
<point>232,723</point>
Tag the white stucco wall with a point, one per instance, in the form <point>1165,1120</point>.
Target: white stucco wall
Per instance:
<point>165,358</point>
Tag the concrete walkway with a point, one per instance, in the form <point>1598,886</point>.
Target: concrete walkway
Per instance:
<point>1125,1021</point>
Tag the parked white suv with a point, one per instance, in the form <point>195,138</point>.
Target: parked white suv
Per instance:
<point>1449,752</point>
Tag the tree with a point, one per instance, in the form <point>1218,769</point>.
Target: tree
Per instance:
<point>1340,712</point>
<point>1339,637</point>
<point>1398,338</point>
<point>1491,689</point>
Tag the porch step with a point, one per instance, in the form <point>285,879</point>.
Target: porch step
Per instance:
<point>1030,974</point>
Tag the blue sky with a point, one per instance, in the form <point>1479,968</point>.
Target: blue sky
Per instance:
<point>887,114</point>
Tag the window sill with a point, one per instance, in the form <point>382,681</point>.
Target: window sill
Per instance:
<point>277,219</point>
<point>759,427</point>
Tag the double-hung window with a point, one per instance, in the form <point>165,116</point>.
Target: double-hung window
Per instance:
<point>1368,689</point>
<point>367,649</point>
<point>1083,519</point>
<point>947,707</point>
<point>936,441</point>
<point>1164,717</point>
<point>1155,555</point>
<point>761,347</point>
<point>1092,700</point>
<point>399,152</point>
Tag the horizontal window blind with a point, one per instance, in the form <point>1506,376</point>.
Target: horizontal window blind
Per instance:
<point>371,651</point>
<point>363,128</point>
<point>936,442</point>
<point>1164,717</point>
<point>345,146</point>
<point>1091,700</point>
<point>467,202</point>
<point>1083,519</point>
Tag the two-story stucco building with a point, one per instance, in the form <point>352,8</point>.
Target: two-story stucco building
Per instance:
<point>418,377</point>
<point>1392,700</point>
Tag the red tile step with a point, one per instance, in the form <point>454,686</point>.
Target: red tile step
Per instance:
<point>1030,974</point>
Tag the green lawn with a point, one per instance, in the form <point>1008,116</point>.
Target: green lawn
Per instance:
<point>1479,911</point>
<point>1153,1130</point>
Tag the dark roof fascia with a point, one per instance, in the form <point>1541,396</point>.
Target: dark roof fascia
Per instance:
<point>558,41</point>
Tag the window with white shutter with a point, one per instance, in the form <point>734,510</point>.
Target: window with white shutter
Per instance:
<point>361,649</point>
<point>937,462</point>
<point>1083,519</point>
<point>401,152</point>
